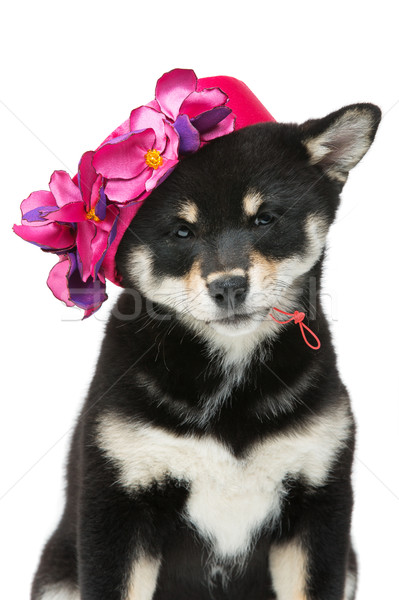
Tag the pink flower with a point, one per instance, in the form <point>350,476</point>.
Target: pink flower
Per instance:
<point>78,218</point>
<point>134,163</point>
<point>197,116</point>
<point>73,220</point>
<point>177,122</point>
<point>71,214</point>
<point>40,230</point>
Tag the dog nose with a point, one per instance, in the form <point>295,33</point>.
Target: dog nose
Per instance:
<point>228,292</point>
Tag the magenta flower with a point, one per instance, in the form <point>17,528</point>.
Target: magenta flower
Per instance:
<point>134,163</point>
<point>73,220</point>
<point>176,123</point>
<point>198,117</point>
<point>78,218</point>
<point>40,230</point>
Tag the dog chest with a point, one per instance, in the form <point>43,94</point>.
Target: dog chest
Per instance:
<point>230,498</point>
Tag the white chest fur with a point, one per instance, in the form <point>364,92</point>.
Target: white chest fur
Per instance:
<point>229,498</point>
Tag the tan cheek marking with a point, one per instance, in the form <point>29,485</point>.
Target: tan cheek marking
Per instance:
<point>261,269</point>
<point>188,212</point>
<point>231,273</point>
<point>251,203</point>
<point>194,281</point>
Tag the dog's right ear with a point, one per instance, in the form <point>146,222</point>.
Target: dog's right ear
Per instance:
<point>337,142</point>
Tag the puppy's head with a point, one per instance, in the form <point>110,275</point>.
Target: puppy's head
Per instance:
<point>236,227</point>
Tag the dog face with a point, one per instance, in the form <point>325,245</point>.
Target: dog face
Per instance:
<point>236,228</point>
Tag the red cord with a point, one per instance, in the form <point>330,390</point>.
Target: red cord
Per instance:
<point>298,317</point>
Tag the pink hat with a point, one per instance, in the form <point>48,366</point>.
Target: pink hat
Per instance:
<point>83,219</point>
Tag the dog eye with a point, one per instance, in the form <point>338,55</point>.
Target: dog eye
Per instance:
<point>184,232</point>
<point>263,219</point>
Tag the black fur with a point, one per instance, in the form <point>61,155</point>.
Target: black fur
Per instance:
<point>104,526</point>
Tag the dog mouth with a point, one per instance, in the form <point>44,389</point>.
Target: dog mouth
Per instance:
<point>238,319</point>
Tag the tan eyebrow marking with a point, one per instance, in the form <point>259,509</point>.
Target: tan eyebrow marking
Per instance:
<point>251,203</point>
<point>188,212</point>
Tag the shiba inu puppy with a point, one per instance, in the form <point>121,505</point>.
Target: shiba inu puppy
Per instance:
<point>212,457</point>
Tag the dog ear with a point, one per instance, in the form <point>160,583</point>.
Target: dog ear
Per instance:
<point>337,142</point>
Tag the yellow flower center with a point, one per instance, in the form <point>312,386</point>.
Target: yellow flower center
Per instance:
<point>91,214</point>
<point>153,159</point>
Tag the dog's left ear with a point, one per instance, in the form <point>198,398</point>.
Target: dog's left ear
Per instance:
<point>337,142</point>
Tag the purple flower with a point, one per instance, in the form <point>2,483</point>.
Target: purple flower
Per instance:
<point>66,283</point>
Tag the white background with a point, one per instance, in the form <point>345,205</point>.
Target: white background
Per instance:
<point>70,73</point>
